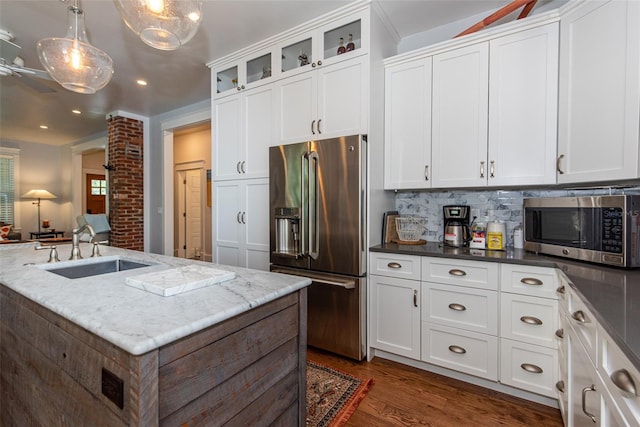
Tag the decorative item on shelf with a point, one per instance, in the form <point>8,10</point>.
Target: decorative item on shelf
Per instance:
<point>162,24</point>
<point>350,45</point>
<point>72,61</point>
<point>266,72</point>
<point>341,48</point>
<point>303,58</point>
<point>38,194</point>
<point>45,224</point>
<point>410,229</point>
<point>235,82</point>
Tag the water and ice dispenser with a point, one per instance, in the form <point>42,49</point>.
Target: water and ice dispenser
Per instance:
<point>287,231</point>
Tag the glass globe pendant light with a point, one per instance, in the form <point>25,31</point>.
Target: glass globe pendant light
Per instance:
<point>72,61</point>
<point>163,24</point>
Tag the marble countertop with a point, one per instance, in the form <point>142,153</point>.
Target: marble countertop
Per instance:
<point>133,319</point>
<point>612,294</point>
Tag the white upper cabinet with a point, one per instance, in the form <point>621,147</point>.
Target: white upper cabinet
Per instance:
<point>523,93</point>
<point>408,125</point>
<point>243,74</point>
<point>459,117</point>
<point>244,126</point>
<point>599,92</point>
<point>326,102</point>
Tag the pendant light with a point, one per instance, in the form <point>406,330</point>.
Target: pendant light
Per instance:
<point>72,61</point>
<point>163,24</point>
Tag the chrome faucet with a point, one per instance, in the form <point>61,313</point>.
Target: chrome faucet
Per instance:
<point>75,250</point>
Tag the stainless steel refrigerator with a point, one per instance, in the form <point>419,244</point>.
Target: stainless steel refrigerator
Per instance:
<point>317,229</point>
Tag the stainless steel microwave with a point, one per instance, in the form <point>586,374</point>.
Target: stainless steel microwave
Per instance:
<point>601,229</point>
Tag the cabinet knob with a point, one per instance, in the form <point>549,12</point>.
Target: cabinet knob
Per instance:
<point>560,333</point>
<point>319,121</point>
<point>457,272</point>
<point>457,307</point>
<point>560,386</point>
<point>394,265</point>
<point>319,62</point>
<point>530,320</point>
<point>313,123</point>
<point>622,379</point>
<point>415,297</point>
<point>579,316</point>
<point>560,289</point>
<point>238,217</point>
<point>238,167</point>
<point>530,367</point>
<point>457,349</point>
<point>238,88</point>
<point>531,281</point>
<point>492,169</point>
<point>426,172</point>
<point>313,65</point>
<point>242,170</point>
<point>560,171</point>
<point>584,401</point>
<point>243,217</point>
<point>482,169</point>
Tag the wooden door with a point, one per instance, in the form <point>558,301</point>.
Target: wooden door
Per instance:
<point>96,193</point>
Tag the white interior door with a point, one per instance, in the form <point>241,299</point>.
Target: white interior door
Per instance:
<point>193,210</point>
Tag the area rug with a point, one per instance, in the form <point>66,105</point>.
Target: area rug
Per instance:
<point>332,396</point>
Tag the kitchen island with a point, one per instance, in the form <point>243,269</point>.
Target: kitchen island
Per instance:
<point>97,351</point>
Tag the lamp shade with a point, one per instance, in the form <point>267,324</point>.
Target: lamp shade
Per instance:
<point>72,61</point>
<point>163,24</point>
<point>38,194</point>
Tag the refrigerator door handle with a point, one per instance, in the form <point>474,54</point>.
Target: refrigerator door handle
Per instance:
<point>314,246</point>
<point>304,244</point>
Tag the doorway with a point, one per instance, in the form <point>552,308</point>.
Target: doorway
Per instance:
<point>96,193</point>
<point>189,213</point>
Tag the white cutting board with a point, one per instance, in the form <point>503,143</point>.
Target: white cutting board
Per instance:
<point>178,280</point>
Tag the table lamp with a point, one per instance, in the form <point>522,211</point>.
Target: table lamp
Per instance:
<point>38,194</point>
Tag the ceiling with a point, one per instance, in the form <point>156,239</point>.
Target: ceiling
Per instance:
<point>175,78</point>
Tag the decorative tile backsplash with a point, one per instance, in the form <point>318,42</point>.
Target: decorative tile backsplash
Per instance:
<point>503,205</point>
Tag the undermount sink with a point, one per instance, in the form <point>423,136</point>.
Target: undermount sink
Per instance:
<point>86,269</point>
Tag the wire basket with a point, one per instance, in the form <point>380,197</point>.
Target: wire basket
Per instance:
<point>410,228</point>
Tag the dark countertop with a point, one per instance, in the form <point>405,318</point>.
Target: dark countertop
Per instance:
<point>612,294</point>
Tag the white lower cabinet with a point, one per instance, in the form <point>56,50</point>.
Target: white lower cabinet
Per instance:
<point>460,350</point>
<point>241,223</point>
<point>529,367</point>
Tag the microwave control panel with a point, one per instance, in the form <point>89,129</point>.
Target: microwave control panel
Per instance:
<point>612,230</point>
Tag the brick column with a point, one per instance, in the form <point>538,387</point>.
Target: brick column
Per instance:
<point>126,185</point>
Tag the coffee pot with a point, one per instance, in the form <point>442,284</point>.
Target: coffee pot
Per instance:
<point>456,225</point>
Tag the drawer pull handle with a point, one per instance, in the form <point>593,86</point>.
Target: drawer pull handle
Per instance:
<point>584,401</point>
<point>530,367</point>
<point>622,379</point>
<point>457,272</point>
<point>531,281</point>
<point>530,320</point>
<point>415,298</point>
<point>560,333</point>
<point>579,316</point>
<point>560,386</point>
<point>394,265</point>
<point>457,349</point>
<point>560,290</point>
<point>457,307</point>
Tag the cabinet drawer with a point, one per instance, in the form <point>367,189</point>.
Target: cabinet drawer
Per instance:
<point>465,308</point>
<point>584,325</point>
<point>619,376</point>
<point>395,265</point>
<point>529,319</point>
<point>529,367</point>
<point>528,280</point>
<point>477,274</point>
<point>468,352</point>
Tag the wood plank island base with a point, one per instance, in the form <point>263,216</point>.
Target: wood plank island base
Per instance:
<point>248,369</point>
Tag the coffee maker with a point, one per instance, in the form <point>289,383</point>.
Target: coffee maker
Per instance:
<point>456,225</point>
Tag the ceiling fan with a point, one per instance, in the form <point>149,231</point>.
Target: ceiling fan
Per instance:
<point>12,65</point>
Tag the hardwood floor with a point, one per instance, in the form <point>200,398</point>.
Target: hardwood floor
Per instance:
<point>407,396</point>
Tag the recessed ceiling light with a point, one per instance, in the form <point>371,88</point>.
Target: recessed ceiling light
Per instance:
<point>76,111</point>
<point>141,82</point>
<point>44,127</point>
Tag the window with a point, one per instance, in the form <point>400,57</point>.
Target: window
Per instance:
<point>98,187</point>
<point>9,166</point>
